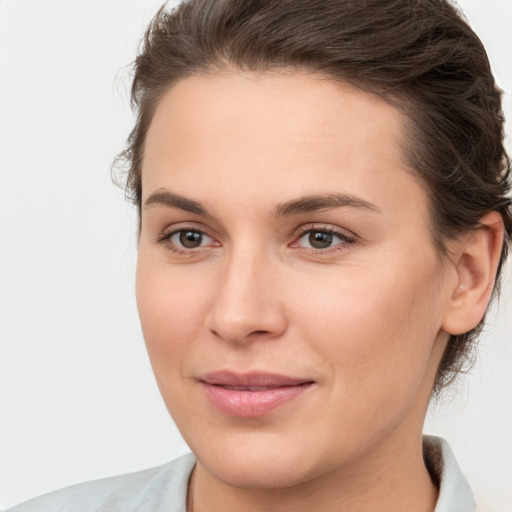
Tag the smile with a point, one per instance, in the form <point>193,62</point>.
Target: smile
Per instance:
<point>252,394</point>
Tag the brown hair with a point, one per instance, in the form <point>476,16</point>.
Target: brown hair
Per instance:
<point>420,55</point>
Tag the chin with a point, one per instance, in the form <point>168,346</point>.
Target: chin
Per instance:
<point>265,473</point>
<point>258,461</point>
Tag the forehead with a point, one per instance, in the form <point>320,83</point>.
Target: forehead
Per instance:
<point>276,136</point>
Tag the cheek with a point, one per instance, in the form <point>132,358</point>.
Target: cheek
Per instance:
<point>376,329</point>
<point>170,305</point>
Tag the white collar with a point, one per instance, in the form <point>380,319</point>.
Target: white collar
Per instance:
<point>455,494</point>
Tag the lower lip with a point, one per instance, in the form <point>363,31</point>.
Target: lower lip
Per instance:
<point>249,404</point>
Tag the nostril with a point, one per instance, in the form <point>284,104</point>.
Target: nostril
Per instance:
<point>240,339</point>
<point>258,333</point>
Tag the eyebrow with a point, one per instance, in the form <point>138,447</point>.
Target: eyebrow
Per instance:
<point>305,204</point>
<point>171,200</point>
<point>308,204</point>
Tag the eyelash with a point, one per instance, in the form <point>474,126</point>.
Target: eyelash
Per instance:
<point>345,240</point>
<point>166,239</point>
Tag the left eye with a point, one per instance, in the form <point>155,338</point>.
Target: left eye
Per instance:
<point>317,239</point>
<point>190,239</point>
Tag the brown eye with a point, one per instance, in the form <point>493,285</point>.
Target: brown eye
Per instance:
<point>320,239</point>
<point>190,239</point>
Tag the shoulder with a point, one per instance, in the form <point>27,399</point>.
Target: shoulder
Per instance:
<point>156,489</point>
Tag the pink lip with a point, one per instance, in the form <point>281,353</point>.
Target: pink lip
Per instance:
<point>251,394</point>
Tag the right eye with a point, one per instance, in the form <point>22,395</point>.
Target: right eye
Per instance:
<point>189,239</point>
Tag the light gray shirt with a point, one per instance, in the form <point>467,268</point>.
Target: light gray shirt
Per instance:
<point>164,488</point>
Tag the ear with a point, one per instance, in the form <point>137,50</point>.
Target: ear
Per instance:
<point>477,256</point>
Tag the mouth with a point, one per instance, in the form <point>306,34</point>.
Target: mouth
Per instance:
<point>251,394</point>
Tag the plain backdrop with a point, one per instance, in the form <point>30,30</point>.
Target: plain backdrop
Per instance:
<point>78,399</point>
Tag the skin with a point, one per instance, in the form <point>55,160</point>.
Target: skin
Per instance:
<point>366,318</point>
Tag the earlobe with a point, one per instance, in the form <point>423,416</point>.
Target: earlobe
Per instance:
<point>477,258</point>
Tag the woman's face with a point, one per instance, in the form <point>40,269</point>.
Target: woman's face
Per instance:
<point>290,296</point>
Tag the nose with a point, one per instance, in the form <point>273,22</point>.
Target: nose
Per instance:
<point>248,305</point>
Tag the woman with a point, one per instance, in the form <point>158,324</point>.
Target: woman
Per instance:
<point>322,196</point>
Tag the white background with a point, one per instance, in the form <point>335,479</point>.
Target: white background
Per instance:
<point>78,400</point>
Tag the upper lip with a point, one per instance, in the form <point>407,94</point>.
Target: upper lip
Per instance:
<point>251,379</point>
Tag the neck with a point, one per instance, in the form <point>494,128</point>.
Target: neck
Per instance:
<point>390,479</point>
